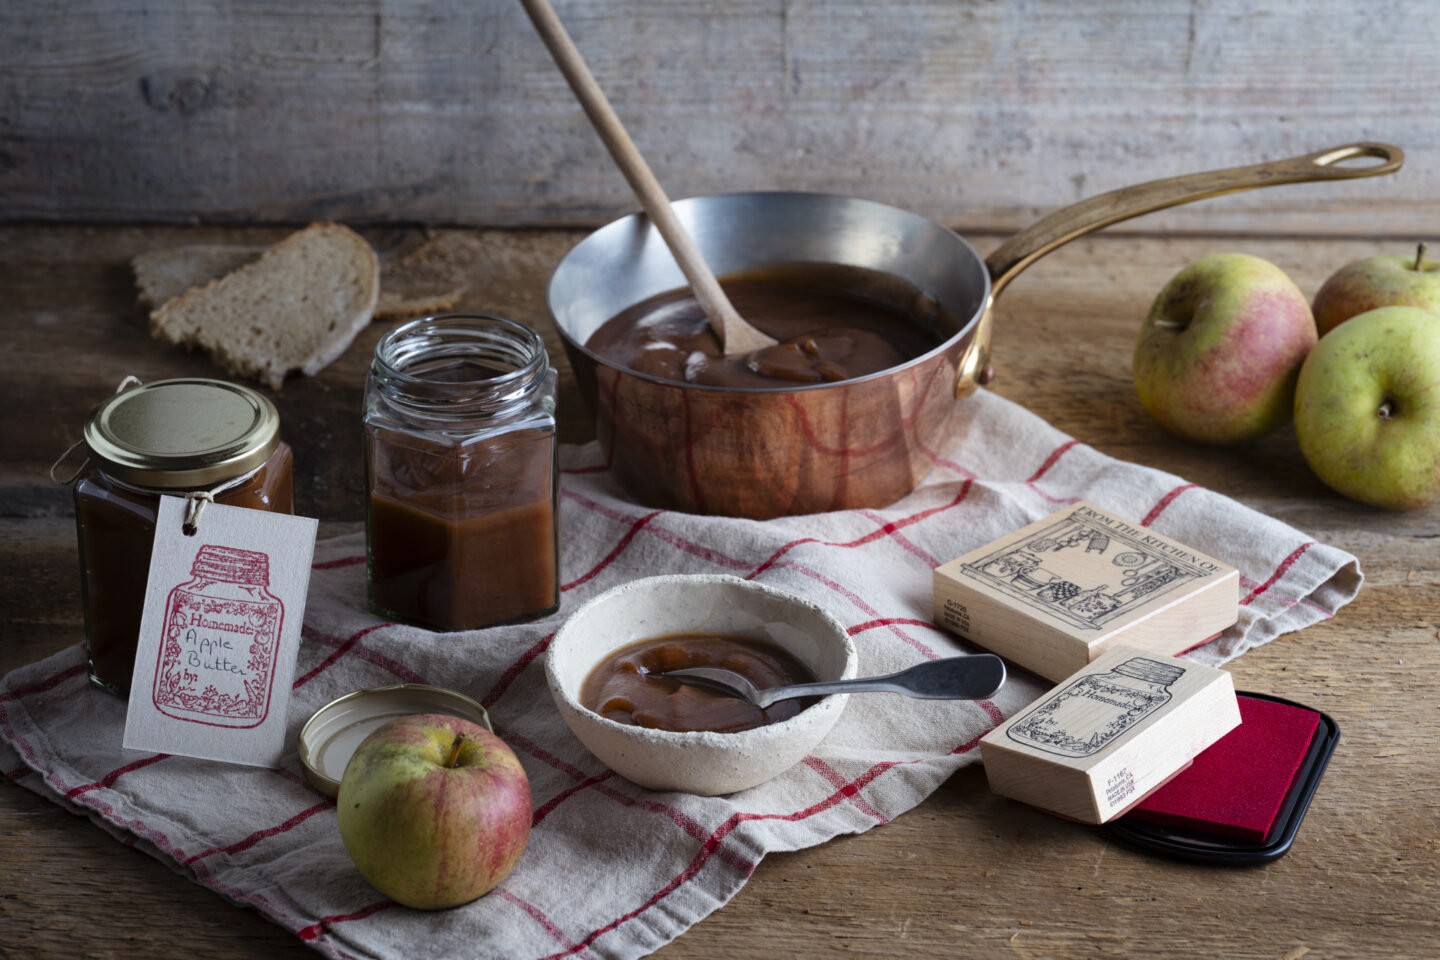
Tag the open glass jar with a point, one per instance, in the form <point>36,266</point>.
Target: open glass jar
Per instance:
<point>169,437</point>
<point>461,528</point>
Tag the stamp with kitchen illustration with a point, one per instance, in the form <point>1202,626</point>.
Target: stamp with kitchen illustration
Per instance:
<point>1058,593</point>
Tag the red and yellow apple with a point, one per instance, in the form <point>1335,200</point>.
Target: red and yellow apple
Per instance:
<point>434,810</point>
<point>1410,281</point>
<point>1218,354</point>
<point>1367,408</point>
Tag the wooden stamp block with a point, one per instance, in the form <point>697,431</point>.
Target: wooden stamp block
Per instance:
<point>1109,735</point>
<point>1058,593</point>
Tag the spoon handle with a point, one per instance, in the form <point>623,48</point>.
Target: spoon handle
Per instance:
<point>953,678</point>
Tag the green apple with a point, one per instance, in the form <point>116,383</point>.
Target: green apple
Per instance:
<point>1377,282</point>
<point>1218,354</point>
<point>434,810</point>
<point>1367,408</point>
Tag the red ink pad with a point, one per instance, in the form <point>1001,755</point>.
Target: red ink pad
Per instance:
<point>1243,799</point>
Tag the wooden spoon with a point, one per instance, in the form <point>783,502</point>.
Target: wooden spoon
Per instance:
<point>736,336</point>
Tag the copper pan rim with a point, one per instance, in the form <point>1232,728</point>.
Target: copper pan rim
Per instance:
<point>894,227</point>
<point>897,241</point>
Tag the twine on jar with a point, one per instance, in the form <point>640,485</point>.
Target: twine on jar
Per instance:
<point>195,500</point>
<point>130,381</point>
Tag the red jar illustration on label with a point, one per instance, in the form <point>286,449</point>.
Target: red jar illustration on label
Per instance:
<point>222,631</point>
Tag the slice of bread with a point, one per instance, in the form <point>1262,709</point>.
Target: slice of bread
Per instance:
<point>404,306</point>
<point>296,308</point>
<point>412,286</point>
<point>163,275</point>
<point>423,281</point>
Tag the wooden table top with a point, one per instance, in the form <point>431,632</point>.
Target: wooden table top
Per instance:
<point>966,872</point>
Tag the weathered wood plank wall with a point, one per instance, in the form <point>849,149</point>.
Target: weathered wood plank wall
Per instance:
<point>979,114</point>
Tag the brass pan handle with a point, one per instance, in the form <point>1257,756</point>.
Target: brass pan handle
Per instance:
<point>1069,223</point>
<point>1087,216</point>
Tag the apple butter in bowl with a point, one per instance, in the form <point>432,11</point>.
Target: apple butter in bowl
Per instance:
<point>627,687</point>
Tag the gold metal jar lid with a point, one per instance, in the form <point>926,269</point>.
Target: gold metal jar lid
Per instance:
<point>183,434</point>
<point>329,738</point>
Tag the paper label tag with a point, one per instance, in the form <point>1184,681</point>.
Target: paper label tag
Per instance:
<point>220,632</point>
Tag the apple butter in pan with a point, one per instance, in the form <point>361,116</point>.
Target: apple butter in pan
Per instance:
<point>827,331</point>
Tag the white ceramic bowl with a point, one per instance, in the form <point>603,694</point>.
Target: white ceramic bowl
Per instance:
<point>703,762</point>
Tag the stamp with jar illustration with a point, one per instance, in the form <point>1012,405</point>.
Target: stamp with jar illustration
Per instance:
<point>1110,734</point>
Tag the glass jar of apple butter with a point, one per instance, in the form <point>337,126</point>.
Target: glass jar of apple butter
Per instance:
<point>461,528</point>
<point>169,437</point>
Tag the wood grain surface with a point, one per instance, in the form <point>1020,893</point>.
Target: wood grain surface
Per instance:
<point>967,873</point>
<point>450,111</point>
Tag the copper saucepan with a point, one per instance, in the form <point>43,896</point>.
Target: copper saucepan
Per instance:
<point>866,442</point>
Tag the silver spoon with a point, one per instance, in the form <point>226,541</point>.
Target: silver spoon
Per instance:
<point>954,678</point>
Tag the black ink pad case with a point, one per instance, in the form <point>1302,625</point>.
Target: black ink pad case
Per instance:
<point>1242,800</point>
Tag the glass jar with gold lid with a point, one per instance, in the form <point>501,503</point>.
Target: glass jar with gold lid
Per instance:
<point>169,437</point>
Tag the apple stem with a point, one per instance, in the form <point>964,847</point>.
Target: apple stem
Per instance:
<point>1420,256</point>
<point>454,759</point>
<point>1386,409</point>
